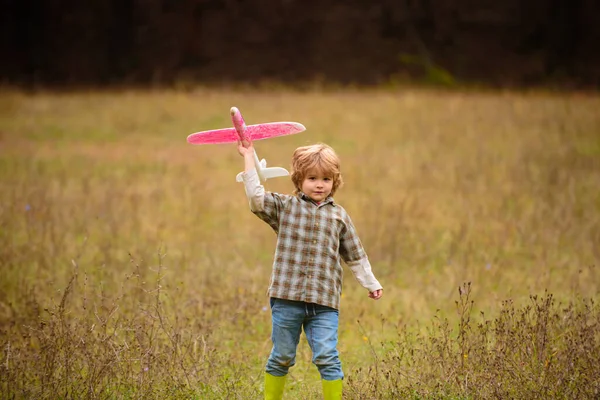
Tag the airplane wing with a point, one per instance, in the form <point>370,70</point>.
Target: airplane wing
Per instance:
<point>256,132</point>
<point>216,136</point>
<point>273,129</point>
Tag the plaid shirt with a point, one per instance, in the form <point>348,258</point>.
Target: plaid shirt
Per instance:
<point>312,239</point>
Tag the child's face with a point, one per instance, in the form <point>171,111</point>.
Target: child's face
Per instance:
<point>317,185</point>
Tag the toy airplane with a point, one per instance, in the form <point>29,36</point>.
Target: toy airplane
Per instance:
<point>247,134</point>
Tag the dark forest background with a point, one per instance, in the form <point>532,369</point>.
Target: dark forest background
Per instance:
<point>113,42</point>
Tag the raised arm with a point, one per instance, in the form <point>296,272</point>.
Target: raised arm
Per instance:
<point>265,205</point>
<point>254,190</point>
<point>248,154</point>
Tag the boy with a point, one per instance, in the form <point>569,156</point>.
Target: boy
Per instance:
<point>313,235</point>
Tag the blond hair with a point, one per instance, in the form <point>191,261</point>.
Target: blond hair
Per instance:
<point>320,157</point>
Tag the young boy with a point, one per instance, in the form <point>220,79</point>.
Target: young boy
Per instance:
<point>314,234</point>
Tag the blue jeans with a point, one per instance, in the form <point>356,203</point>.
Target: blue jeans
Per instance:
<point>320,325</point>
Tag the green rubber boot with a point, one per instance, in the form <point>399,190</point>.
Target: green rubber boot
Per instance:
<point>332,390</point>
<point>274,386</point>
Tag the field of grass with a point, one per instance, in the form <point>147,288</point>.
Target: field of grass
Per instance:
<point>132,267</point>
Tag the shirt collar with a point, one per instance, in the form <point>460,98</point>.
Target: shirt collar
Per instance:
<point>328,200</point>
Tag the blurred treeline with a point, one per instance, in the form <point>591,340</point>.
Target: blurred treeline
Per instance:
<point>97,42</point>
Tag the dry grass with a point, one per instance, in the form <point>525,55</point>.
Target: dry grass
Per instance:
<point>132,268</point>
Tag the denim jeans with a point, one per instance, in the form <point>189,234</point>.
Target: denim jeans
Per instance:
<point>320,325</point>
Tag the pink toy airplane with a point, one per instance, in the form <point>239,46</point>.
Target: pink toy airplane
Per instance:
<point>247,134</point>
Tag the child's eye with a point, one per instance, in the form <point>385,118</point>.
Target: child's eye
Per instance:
<point>327,179</point>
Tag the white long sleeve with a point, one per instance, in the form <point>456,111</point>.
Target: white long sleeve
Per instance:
<point>254,190</point>
<point>364,275</point>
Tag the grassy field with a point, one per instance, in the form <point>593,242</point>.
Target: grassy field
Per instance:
<point>132,267</point>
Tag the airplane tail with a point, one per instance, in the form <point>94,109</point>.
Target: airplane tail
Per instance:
<point>266,173</point>
<point>274,172</point>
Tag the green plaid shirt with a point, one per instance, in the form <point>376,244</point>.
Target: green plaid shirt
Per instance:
<point>312,239</point>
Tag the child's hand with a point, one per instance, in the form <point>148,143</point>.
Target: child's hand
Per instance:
<point>376,295</point>
<point>245,149</point>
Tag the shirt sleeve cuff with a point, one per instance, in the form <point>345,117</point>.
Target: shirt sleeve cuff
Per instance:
<point>249,176</point>
<point>364,275</point>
